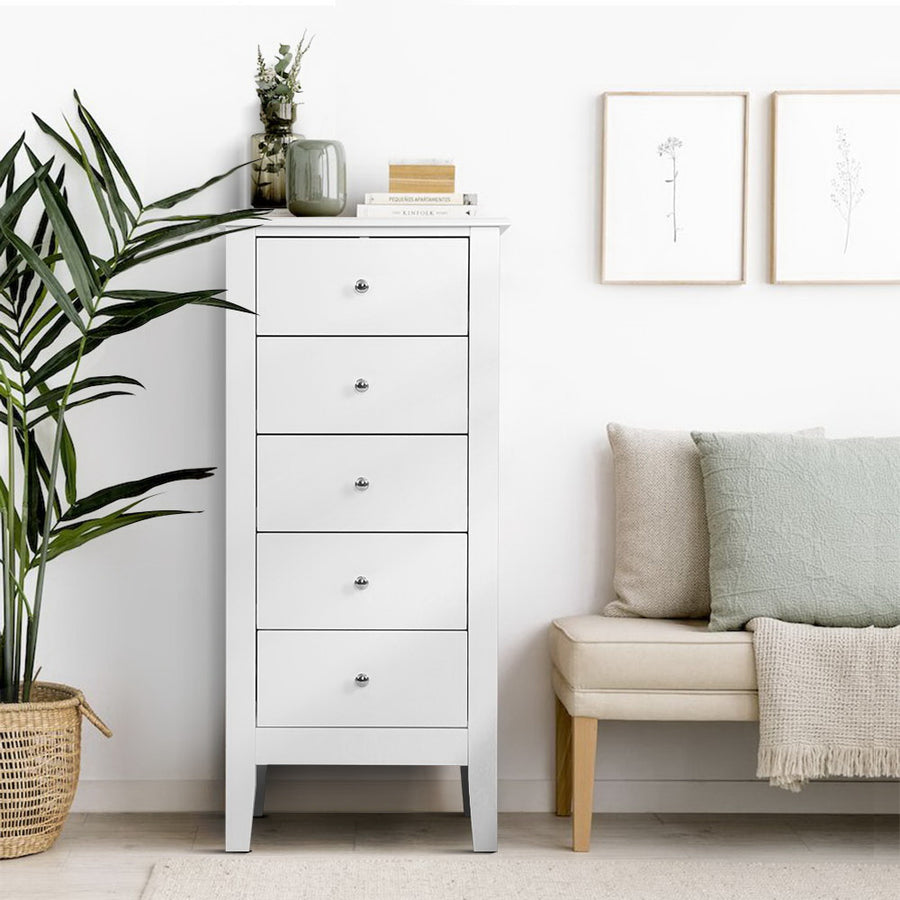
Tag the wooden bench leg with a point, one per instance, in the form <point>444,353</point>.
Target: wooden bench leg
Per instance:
<point>563,760</point>
<point>584,753</point>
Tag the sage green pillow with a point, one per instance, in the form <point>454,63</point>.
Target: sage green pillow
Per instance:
<point>802,529</point>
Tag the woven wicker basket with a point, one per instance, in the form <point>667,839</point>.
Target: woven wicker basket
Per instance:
<point>40,756</point>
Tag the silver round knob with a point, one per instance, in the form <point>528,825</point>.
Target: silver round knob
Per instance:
<point>362,679</point>
<point>360,582</point>
<point>361,385</point>
<point>361,483</point>
<point>361,286</point>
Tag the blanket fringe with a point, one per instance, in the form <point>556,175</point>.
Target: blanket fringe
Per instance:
<point>792,767</point>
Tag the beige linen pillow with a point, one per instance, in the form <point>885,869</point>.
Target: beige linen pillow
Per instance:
<point>662,538</point>
<point>662,543</point>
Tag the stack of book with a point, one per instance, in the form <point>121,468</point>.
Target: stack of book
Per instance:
<point>423,189</point>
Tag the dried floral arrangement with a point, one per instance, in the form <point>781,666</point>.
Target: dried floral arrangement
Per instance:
<point>279,83</point>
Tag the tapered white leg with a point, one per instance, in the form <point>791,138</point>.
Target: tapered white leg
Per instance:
<point>240,791</point>
<point>482,778</point>
<point>259,801</point>
<point>464,779</point>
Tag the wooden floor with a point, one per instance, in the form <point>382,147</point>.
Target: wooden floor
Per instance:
<point>110,855</point>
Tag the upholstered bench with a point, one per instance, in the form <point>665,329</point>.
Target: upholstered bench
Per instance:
<point>651,657</point>
<point>638,669</point>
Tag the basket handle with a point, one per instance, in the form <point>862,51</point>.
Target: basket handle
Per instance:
<point>85,709</point>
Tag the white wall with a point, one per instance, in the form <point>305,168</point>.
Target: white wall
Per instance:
<point>512,94</point>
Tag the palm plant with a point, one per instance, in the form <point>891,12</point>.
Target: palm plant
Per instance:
<point>58,303</point>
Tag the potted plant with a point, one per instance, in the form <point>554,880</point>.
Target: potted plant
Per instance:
<point>58,303</point>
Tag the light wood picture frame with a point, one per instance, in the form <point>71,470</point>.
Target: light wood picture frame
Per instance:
<point>835,187</point>
<point>674,187</point>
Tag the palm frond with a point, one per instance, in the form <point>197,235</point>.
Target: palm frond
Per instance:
<point>59,303</point>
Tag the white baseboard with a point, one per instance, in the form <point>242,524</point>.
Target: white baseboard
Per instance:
<point>833,797</point>
<point>149,796</point>
<point>441,795</point>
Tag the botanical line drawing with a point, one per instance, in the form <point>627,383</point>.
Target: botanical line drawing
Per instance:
<point>845,190</point>
<point>670,147</point>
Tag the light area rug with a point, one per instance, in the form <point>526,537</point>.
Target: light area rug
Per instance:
<point>488,877</point>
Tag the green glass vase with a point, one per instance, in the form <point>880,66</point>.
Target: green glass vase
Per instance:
<point>316,178</point>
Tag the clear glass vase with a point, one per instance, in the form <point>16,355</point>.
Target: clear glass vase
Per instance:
<point>268,150</point>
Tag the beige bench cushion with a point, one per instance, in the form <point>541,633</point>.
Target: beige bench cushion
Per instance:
<point>651,654</point>
<point>658,706</point>
<point>653,669</point>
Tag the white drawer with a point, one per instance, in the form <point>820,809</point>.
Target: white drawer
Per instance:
<point>406,581</point>
<point>361,385</point>
<point>308,286</point>
<point>309,483</point>
<point>416,679</point>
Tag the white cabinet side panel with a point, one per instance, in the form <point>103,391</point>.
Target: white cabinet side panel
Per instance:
<point>484,294</point>
<point>240,542</point>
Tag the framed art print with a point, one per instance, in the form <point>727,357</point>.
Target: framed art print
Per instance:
<point>674,188</point>
<point>835,187</point>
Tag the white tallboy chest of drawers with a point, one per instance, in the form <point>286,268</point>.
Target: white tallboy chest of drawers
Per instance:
<point>361,511</point>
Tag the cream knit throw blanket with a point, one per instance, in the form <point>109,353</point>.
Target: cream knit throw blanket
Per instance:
<point>829,702</point>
